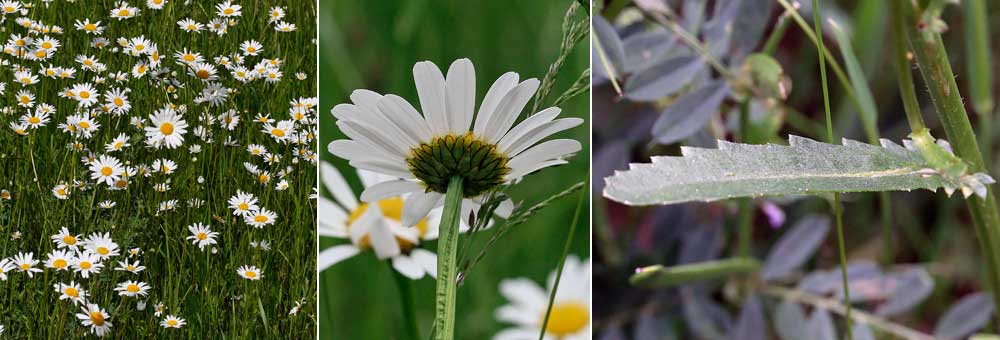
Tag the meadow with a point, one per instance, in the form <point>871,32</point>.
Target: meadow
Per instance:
<point>374,45</point>
<point>143,126</point>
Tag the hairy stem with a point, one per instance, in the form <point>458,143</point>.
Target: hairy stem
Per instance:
<point>932,60</point>
<point>447,268</point>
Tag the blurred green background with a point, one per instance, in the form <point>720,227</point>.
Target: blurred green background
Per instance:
<point>367,44</point>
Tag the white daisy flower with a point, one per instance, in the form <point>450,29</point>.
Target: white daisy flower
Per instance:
<point>260,218</point>
<point>167,128</point>
<point>26,262</point>
<point>132,288</point>
<point>133,267</point>
<point>96,318</point>
<point>172,321</point>
<point>570,318</point>
<point>201,235</point>
<point>106,169</point>
<point>6,265</point>
<point>72,292</point>
<point>387,135</point>
<point>243,203</point>
<point>65,239</point>
<point>102,245</point>
<point>250,273</point>
<point>86,264</point>
<point>59,259</point>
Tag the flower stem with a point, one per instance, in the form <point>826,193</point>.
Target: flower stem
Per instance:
<point>562,261</point>
<point>932,59</point>
<point>406,303</point>
<point>836,196</point>
<point>446,261</point>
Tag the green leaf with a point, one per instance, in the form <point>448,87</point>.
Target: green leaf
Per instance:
<point>804,167</point>
<point>660,276</point>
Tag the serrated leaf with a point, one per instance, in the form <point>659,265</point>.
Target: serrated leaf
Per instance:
<point>663,79</point>
<point>740,170</point>
<point>795,247</point>
<point>689,113</point>
<point>790,321</point>
<point>970,314</point>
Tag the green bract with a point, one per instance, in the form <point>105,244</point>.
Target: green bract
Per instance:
<point>476,161</point>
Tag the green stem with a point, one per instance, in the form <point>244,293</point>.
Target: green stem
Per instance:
<point>779,32</point>
<point>932,59</point>
<point>836,196</point>
<point>406,303</point>
<point>980,69</point>
<point>559,270</point>
<point>447,268</point>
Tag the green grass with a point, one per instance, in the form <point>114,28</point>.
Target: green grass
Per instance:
<point>201,287</point>
<point>373,45</point>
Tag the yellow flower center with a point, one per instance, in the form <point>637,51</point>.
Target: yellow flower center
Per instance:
<point>567,318</point>
<point>172,323</point>
<point>59,263</point>
<point>263,178</point>
<point>260,218</point>
<point>84,94</point>
<point>89,27</point>
<point>103,250</point>
<point>84,125</point>
<point>202,236</point>
<point>227,11</point>
<point>61,191</point>
<point>166,128</point>
<point>132,288</point>
<point>123,12</point>
<point>278,132</point>
<point>251,274</point>
<point>97,318</point>
<point>46,45</point>
<point>9,9</point>
<point>244,206</point>
<point>203,74</point>
<point>34,120</point>
<point>25,266</point>
<point>106,171</point>
<point>392,208</point>
<point>140,47</point>
<point>25,99</point>
<point>119,101</point>
<point>70,291</point>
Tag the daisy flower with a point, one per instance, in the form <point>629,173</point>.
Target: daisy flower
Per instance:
<point>260,218</point>
<point>86,95</point>
<point>65,239</point>
<point>6,265</point>
<point>101,245</point>
<point>124,11</point>
<point>282,26</point>
<point>118,101</point>
<point>118,143</point>
<point>96,318</point>
<point>72,292</point>
<point>106,169</point>
<point>570,318</point>
<point>167,128</point>
<point>94,28</point>
<point>26,262</point>
<point>251,47</point>
<point>227,9</point>
<point>86,264</point>
<point>243,203</point>
<point>172,321</point>
<point>59,259</point>
<point>250,273</point>
<point>133,268</point>
<point>280,131</point>
<point>61,191</point>
<point>10,7</point>
<point>201,235</point>
<point>377,227</point>
<point>132,288</point>
<point>387,135</point>
<point>155,4</point>
<point>189,25</point>
<point>106,204</point>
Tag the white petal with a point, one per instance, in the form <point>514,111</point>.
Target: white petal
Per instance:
<point>354,151</point>
<point>337,186</point>
<point>524,293</point>
<point>528,124</point>
<point>385,139</point>
<point>330,218</point>
<point>461,95</point>
<point>516,173</point>
<point>390,189</point>
<point>366,100</point>
<point>505,208</point>
<point>508,109</point>
<point>406,266</point>
<point>500,87</point>
<point>363,225</point>
<point>431,90</point>
<point>383,240</point>
<point>522,143</point>
<point>426,259</point>
<point>548,150</point>
<point>523,333</point>
<point>399,111</point>
<point>418,205</point>
<point>370,178</point>
<point>394,169</point>
<point>333,255</point>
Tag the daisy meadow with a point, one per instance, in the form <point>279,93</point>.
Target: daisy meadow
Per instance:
<point>125,132</point>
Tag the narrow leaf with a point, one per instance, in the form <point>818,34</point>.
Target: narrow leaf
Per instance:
<point>970,314</point>
<point>660,276</point>
<point>751,324</point>
<point>741,170</point>
<point>689,113</point>
<point>610,45</point>
<point>796,247</point>
<point>911,288</point>
<point>663,79</point>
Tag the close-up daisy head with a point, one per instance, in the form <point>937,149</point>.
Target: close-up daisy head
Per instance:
<point>570,316</point>
<point>450,139</point>
<point>96,318</point>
